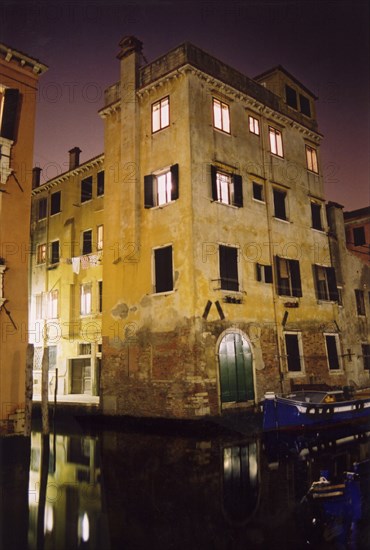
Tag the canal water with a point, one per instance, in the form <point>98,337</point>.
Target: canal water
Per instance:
<point>136,489</point>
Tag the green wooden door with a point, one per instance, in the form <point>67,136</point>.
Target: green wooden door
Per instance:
<point>236,372</point>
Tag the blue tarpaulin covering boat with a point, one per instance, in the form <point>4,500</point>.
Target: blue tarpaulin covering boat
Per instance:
<point>313,409</point>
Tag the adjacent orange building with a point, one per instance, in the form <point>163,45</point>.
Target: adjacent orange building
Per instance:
<point>19,76</point>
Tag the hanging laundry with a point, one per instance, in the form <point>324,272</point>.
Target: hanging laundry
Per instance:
<point>85,262</point>
<point>94,260</point>
<point>76,265</point>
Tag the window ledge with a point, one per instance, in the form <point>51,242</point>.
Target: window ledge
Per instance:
<point>258,201</point>
<point>298,374</point>
<point>225,204</point>
<point>223,132</point>
<point>165,293</point>
<point>160,206</point>
<point>336,372</point>
<point>55,214</point>
<point>322,231</point>
<point>281,220</point>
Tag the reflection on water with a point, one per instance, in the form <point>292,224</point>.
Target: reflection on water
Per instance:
<point>65,501</point>
<point>135,490</point>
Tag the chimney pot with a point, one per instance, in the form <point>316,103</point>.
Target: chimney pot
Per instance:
<point>74,157</point>
<point>36,176</point>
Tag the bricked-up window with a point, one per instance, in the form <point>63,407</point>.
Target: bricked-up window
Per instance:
<point>41,253</point>
<point>85,298</point>
<point>304,103</point>
<point>311,159</point>
<point>276,142</point>
<point>332,353</point>
<point>160,114</point>
<point>264,273</point>
<point>99,237</point>
<point>54,252</point>
<point>55,202</point>
<point>258,192</point>
<point>316,216</point>
<point>366,356</point>
<point>42,209</point>
<point>288,277</point>
<point>254,125</point>
<point>100,296</point>
<point>87,242</point>
<point>163,269</point>
<point>293,345</point>
<point>100,184</point>
<point>9,107</point>
<point>280,204</point>
<point>221,115</point>
<point>325,283</point>
<point>291,97</point>
<point>360,301</point>
<point>226,187</point>
<point>228,258</point>
<point>162,187</point>
<point>86,189</point>
<point>359,238</point>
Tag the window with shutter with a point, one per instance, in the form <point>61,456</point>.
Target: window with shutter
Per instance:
<point>288,277</point>
<point>226,188</point>
<point>325,283</point>
<point>228,258</point>
<point>264,273</point>
<point>162,187</point>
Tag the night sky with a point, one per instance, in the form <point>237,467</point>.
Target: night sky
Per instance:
<point>325,44</point>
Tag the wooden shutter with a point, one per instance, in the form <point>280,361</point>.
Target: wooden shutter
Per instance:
<point>174,182</point>
<point>148,191</point>
<point>332,284</point>
<point>295,275</point>
<point>214,182</point>
<point>238,190</point>
<point>9,119</point>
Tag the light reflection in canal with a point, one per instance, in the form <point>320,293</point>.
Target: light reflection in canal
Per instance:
<point>132,490</point>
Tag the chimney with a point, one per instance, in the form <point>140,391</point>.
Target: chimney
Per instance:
<point>74,157</point>
<point>36,175</point>
<point>129,44</point>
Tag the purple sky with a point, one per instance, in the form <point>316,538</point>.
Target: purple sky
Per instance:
<point>325,44</point>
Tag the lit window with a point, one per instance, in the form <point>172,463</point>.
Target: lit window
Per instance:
<point>99,237</point>
<point>332,353</point>
<point>264,273</point>
<point>85,299</point>
<point>163,269</point>
<point>228,258</point>
<point>366,356</point>
<point>100,184</point>
<point>86,189</point>
<point>162,187</point>
<point>226,188</point>
<point>258,192</point>
<point>254,125</point>
<point>87,242</point>
<point>55,203</point>
<point>54,252</point>
<point>288,277</point>
<point>325,283</point>
<point>276,142</point>
<point>311,157</point>
<point>160,114</point>
<point>316,216</point>
<point>360,302</point>
<point>280,204</point>
<point>293,350</point>
<point>42,209</point>
<point>221,116</point>
<point>41,253</point>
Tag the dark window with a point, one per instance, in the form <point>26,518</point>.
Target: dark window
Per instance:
<point>264,273</point>
<point>161,188</point>
<point>293,356</point>
<point>258,191</point>
<point>366,356</point>
<point>227,188</point>
<point>316,215</point>
<point>100,304</point>
<point>359,236</point>
<point>52,351</point>
<point>291,97</point>
<point>86,189</point>
<point>87,242</point>
<point>55,203</point>
<point>279,204</point>
<point>163,269</point>
<point>325,283</point>
<point>288,277</point>
<point>332,351</point>
<point>54,252</point>
<point>305,105</point>
<point>9,119</point>
<point>229,268</point>
<point>42,209</point>
<point>360,302</point>
<point>100,184</point>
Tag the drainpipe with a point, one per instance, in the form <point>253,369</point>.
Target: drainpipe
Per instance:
<point>271,251</point>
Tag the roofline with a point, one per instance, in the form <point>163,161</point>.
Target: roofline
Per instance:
<point>9,53</point>
<point>292,77</point>
<point>359,213</point>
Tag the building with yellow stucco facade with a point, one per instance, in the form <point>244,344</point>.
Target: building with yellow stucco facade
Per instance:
<point>218,276</point>
<point>19,75</point>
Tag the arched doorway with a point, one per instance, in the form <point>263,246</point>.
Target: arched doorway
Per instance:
<point>236,368</point>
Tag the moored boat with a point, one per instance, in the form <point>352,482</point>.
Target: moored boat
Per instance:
<point>313,409</point>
